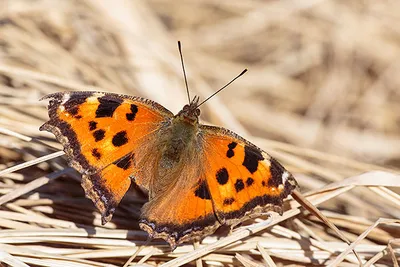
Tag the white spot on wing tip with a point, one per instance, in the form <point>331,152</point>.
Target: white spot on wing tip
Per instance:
<point>66,96</point>
<point>98,94</point>
<point>285,176</point>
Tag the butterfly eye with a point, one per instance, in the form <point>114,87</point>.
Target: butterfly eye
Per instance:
<point>185,108</point>
<point>197,112</point>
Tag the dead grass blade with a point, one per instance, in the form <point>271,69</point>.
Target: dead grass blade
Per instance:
<point>32,185</point>
<point>311,208</point>
<point>340,258</point>
<point>10,260</point>
<point>32,162</point>
<point>266,257</point>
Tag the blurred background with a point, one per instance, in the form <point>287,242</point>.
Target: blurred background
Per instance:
<point>322,93</point>
<point>322,73</point>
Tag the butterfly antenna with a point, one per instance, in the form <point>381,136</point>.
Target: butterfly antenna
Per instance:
<point>184,71</point>
<point>243,72</point>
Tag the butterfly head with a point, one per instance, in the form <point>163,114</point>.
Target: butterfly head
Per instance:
<point>190,113</point>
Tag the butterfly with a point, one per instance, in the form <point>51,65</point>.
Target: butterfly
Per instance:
<point>198,177</point>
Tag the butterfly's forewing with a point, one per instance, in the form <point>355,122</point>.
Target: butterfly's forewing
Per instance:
<point>101,132</point>
<point>242,179</point>
<point>97,129</point>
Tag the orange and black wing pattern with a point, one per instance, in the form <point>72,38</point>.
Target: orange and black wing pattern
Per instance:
<point>181,215</point>
<point>100,133</point>
<point>242,179</point>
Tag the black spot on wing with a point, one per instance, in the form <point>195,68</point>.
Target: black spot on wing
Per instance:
<point>202,191</point>
<point>239,185</point>
<point>124,163</point>
<point>107,106</point>
<point>230,153</point>
<point>99,135</point>
<point>249,181</point>
<point>276,170</point>
<point>228,201</point>
<point>252,156</point>
<point>72,104</point>
<point>96,153</point>
<point>92,125</point>
<point>222,176</point>
<point>131,116</point>
<point>232,145</point>
<point>120,139</point>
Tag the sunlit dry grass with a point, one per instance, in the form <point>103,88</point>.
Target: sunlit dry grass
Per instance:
<point>322,95</point>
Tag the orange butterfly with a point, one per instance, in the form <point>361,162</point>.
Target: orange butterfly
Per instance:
<point>198,177</point>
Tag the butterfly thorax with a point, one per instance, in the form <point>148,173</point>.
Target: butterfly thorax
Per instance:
<point>180,136</point>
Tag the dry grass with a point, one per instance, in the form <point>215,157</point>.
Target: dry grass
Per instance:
<point>323,83</point>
